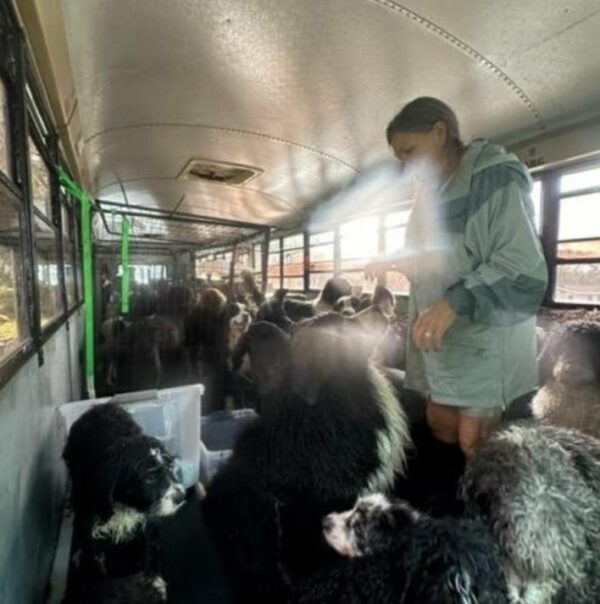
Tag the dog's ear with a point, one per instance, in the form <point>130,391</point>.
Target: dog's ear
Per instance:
<point>279,296</point>
<point>402,516</point>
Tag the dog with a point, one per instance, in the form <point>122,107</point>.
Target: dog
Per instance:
<point>273,311</point>
<point>538,490</point>
<point>394,554</point>
<point>263,353</point>
<point>133,589</point>
<point>570,377</point>
<point>122,482</point>
<point>208,334</point>
<point>239,321</point>
<point>334,289</point>
<point>284,312</point>
<point>335,431</point>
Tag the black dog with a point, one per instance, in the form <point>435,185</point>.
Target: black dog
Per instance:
<point>395,555</point>
<point>337,430</point>
<point>268,349</point>
<point>121,481</point>
<point>134,589</point>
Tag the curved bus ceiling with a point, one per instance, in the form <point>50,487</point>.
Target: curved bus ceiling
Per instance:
<point>303,89</point>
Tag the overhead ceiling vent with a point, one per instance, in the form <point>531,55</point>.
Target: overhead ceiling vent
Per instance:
<point>217,171</point>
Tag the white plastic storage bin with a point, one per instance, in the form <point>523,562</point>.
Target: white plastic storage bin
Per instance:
<point>219,433</point>
<point>171,415</point>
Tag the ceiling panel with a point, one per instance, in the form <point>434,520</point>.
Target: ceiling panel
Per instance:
<point>304,89</point>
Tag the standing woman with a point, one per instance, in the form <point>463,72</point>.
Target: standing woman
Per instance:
<point>476,270</point>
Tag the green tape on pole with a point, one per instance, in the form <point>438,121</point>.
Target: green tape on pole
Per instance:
<point>88,285</point>
<point>124,265</point>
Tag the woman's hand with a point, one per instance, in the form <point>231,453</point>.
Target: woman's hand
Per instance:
<point>432,324</point>
<point>374,270</point>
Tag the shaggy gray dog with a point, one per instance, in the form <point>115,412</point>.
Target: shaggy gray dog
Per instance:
<point>538,489</point>
<point>570,378</point>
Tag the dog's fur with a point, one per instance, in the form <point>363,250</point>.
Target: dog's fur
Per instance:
<point>273,311</point>
<point>397,555</point>
<point>576,346</point>
<point>538,489</point>
<point>268,350</point>
<point>207,339</point>
<point>121,481</point>
<point>284,312</point>
<point>336,432</point>
<point>138,588</point>
<point>239,321</point>
<point>570,374</point>
<point>334,289</point>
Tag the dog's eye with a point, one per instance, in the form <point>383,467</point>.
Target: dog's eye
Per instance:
<point>150,479</point>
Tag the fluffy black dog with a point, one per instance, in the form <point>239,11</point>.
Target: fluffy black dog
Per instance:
<point>268,349</point>
<point>134,589</point>
<point>273,310</point>
<point>395,555</point>
<point>121,481</point>
<point>336,432</point>
<point>284,312</point>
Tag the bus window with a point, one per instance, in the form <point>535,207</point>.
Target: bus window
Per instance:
<point>293,262</point>
<point>394,225</point>
<point>46,251</point>
<point>321,258</point>
<point>214,266</point>
<point>40,179</point>
<point>578,249</point>
<point>274,267</point>
<point>257,263</point>
<point>13,326</point>
<point>68,253</point>
<point>4,131</point>
<point>359,243</point>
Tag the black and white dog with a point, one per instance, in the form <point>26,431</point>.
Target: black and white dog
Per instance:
<point>398,555</point>
<point>132,589</point>
<point>121,481</point>
<point>538,489</point>
<point>335,430</point>
<point>570,378</point>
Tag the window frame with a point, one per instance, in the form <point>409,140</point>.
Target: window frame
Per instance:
<point>310,247</point>
<point>23,97</point>
<point>52,220</point>
<point>550,221</point>
<point>278,253</point>
<point>336,227</point>
<point>301,247</point>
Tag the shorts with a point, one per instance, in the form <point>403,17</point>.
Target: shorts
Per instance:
<point>493,413</point>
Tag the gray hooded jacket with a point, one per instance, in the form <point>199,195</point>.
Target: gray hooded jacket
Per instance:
<point>488,263</point>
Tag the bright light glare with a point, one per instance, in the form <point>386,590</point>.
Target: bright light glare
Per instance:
<point>360,238</point>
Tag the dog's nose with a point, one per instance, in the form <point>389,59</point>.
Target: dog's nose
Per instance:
<point>328,523</point>
<point>179,495</point>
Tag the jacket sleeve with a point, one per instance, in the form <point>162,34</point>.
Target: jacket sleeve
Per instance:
<point>509,285</point>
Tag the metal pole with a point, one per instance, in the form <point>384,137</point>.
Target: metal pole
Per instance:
<point>124,265</point>
<point>265,260</point>
<point>88,286</point>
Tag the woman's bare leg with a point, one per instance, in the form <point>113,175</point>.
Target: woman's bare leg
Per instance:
<point>443,422</point>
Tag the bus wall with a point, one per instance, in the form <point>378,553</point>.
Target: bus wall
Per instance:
<point>32,475</point>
